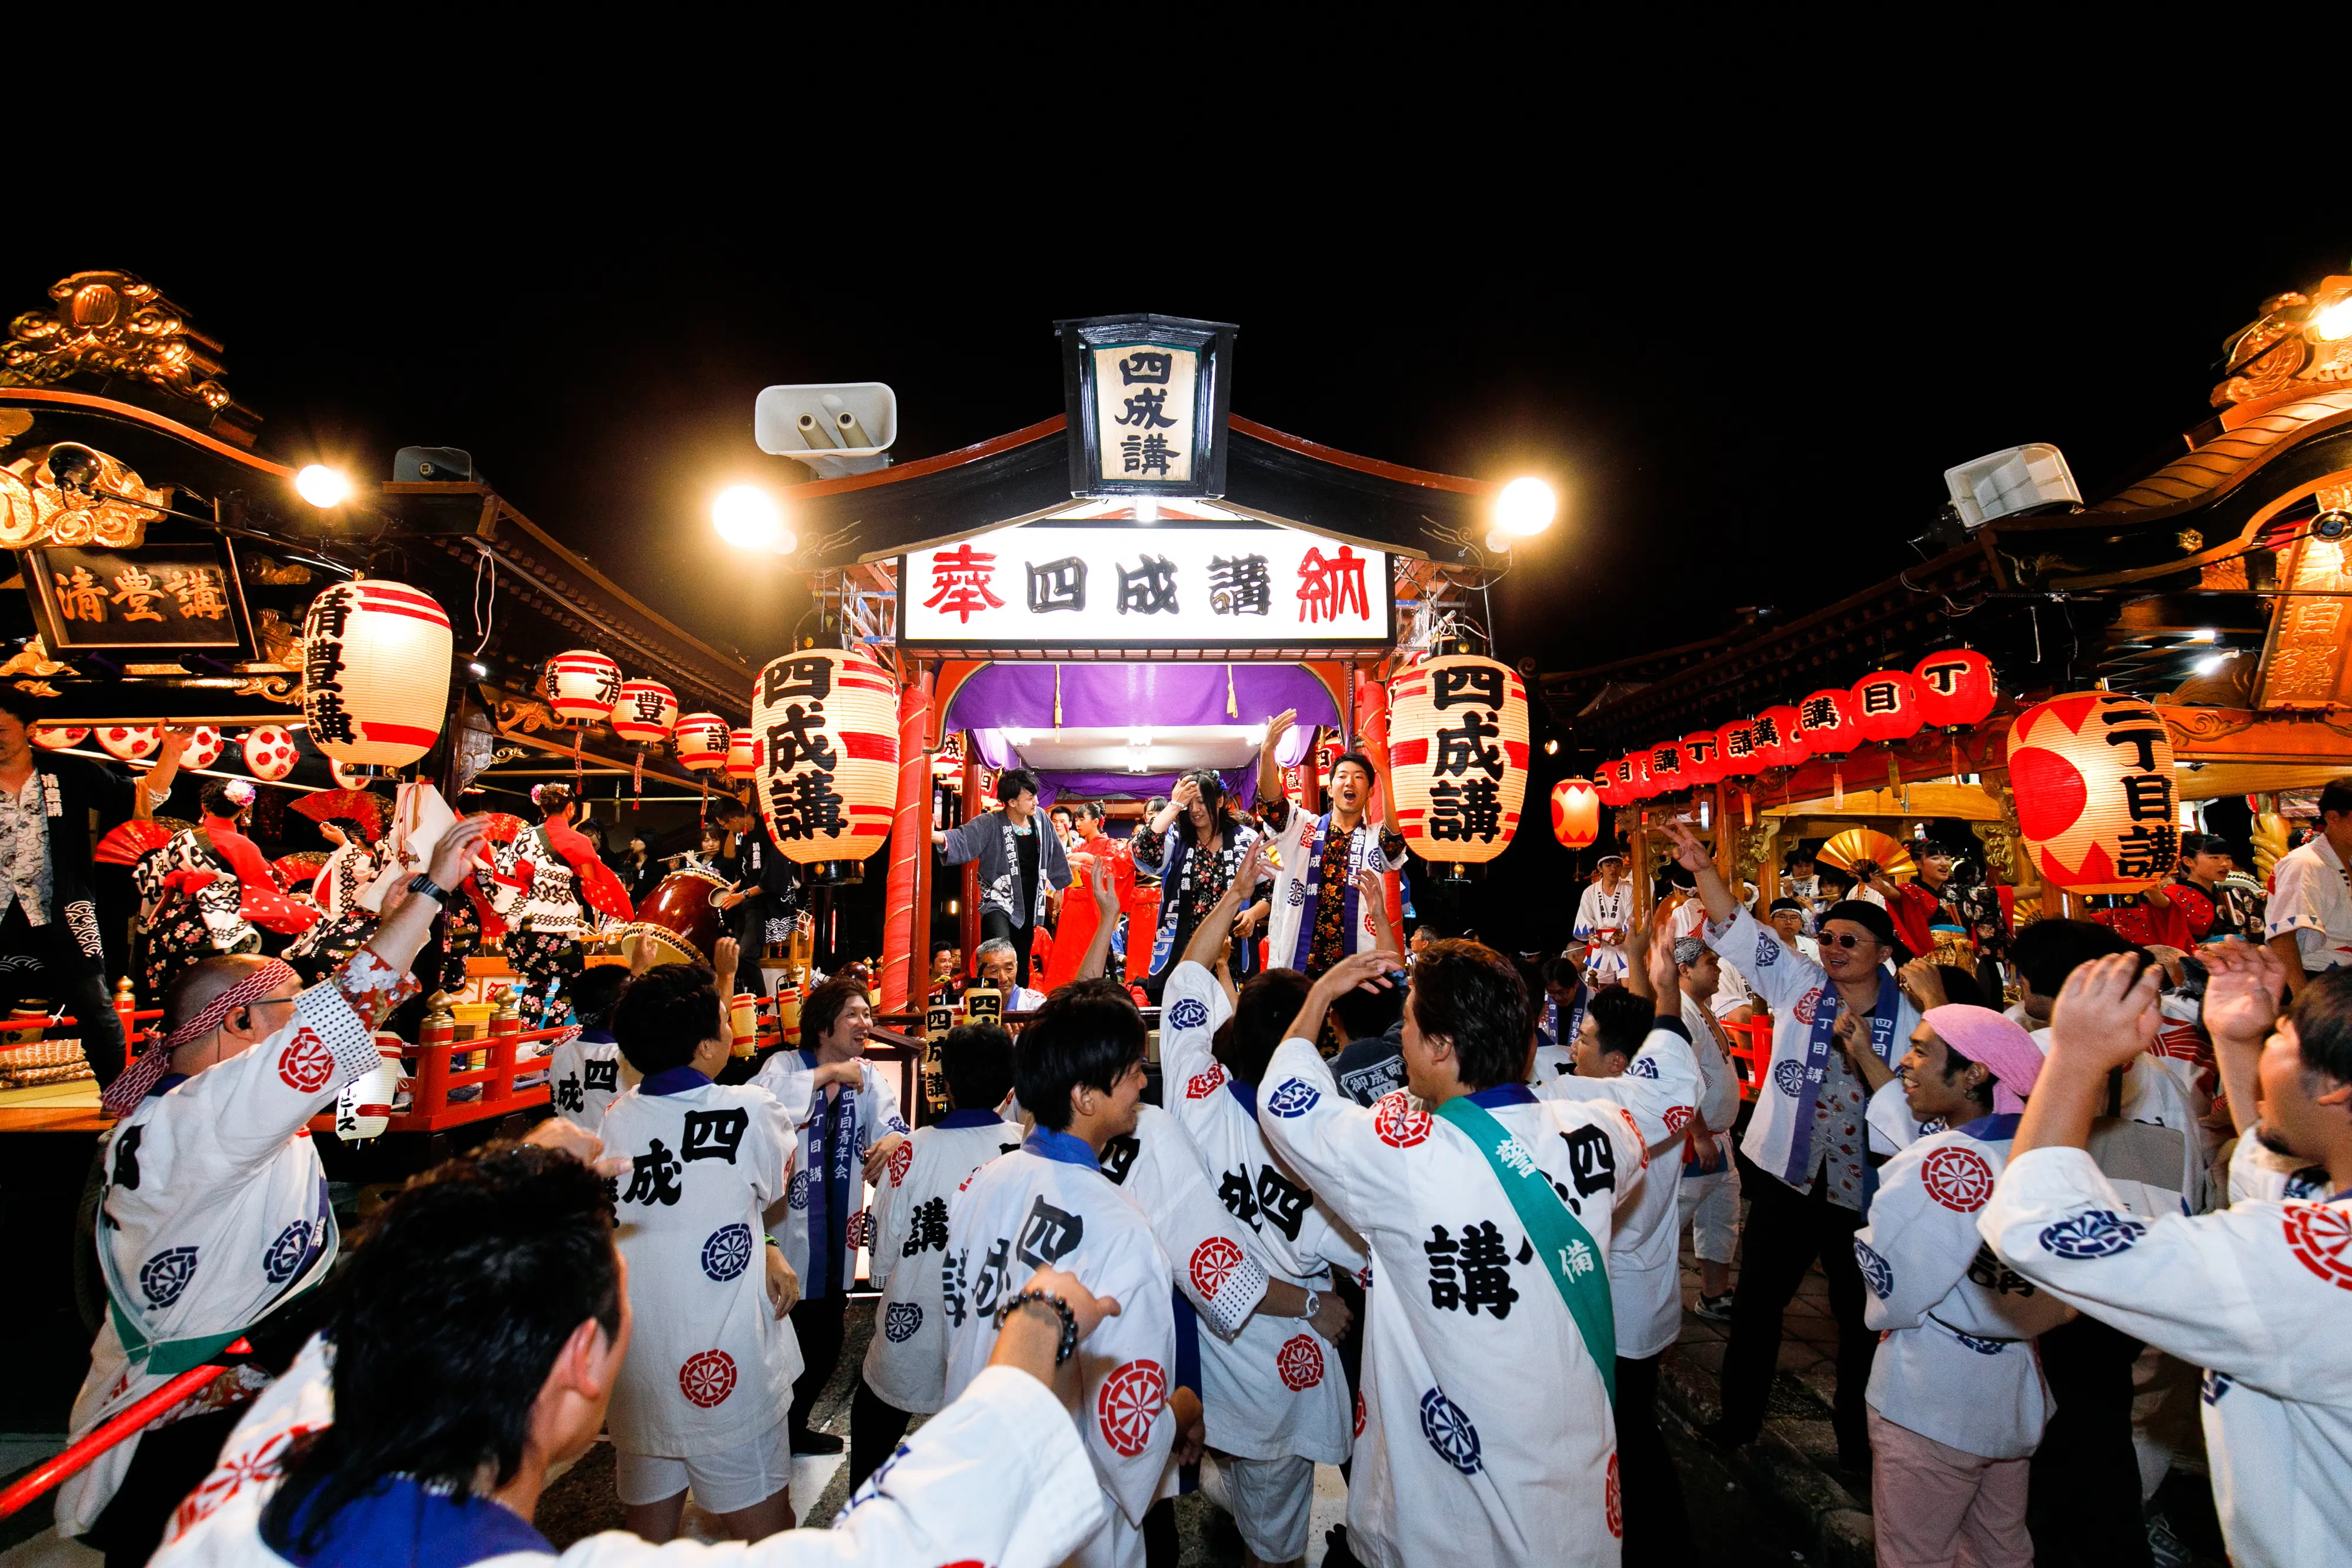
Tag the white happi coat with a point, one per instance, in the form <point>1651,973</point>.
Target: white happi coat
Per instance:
<point>1275,1390</point>
<point>1028,1210</point>
<point>214,1207</point>
<point>1446,1470</point>
<point>907,1361</point>
<point>1602,920</point>
<point>1660,1087</point>
<point>2256,1173</point>
<point>711,1367</point>
<point>999,1479</point>
<point>791,1076</point>
<point>1293,843</point>
<point>1163,1173</point>
<point>1793,987</point>
<point>584,1078</point>
<point>1956,1358</point>
<point>2250,1295</point>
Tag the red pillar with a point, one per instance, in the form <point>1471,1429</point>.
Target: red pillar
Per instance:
<point>969,922</point>
<point>911,843</point>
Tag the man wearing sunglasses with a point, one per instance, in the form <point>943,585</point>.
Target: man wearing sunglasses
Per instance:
<point>1805,1160</point>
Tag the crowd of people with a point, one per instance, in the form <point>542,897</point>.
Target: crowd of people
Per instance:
<point>1411,1208</point>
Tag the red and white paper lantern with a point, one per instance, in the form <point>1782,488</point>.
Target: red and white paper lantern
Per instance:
<point>580,685</point>
<point>1458,755</point>
<point>1778,742</point>
<point>1956,688</point>
<point>270,753</point>
<point>702,739</point>
<point>2097,802</point>
<point>646,712</point>
<point>1703,758</point>
<point>56,737</point>
<point>375,673</point>
<point>204,748</point>
<point>1886,705</point>
<point>1735,749</point>
<point>828,753</point>
<point>1575,812</point>
<point>130,743</point>
<point>742,753</point>
<point>1667,773</point>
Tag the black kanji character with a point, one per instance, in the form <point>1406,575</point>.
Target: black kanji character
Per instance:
<point>1150,366</point>
<point>1486,1270</point>
<point>790,743</point>
<point>927,1228</point>
<point>567,1094</point>
<point>1057,585</point>
<point>1990,1272</point>
<point>1119,1157</point>
<point>2146,851</point>
<point>951,1288</point>
<point>2148,796</point>
<point>126,1158</point>
<point>994,1277</point>
<point>1459,813</point>
<point>806,804</point>
<point>1445,1285</point>
<point>602,1075</point>
<point>1479,684</point>
<point>1238,585</point>
<point>1591,1162</point>
<point>653,1177</point>
<point>1461,751</point>
<point>1143,411</point>
<point>1149,589</point>
<point>1049,1234</point>
<point>715,1134</point>
<point>810,677</point>
<point>1280,1202</point>
<point>1240,1197</point>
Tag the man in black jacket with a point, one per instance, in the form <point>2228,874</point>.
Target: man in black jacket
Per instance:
<point>52,811</point>
<point>767,890</point>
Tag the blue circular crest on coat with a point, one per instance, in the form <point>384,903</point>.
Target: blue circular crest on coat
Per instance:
<point>285,1253</point>
<point>1768,952</point>
<point>796,1191</point>
<point>1449,1431</point>
<point>1788,1077</point>
<point>1295,1097</point>
<point>1189,1013</point>
<point>900,1322</point>
<point>163,1277</point>
<point>728,1252</point>
<point>1297,891</point>
<point>2095,1233</point>
<point>1981,1346</point>
<point>1876,1272</point>
<point>1644,1067</point>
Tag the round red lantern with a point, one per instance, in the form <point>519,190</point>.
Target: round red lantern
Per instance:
<point>702,739</point>
<point>1825,721</point>
<point>1666,770</point>
<point>56,737</point>
<point>1956,688</point>
<point>1575,812</point>
<point>828,773</point>
<point>1638,782</point>
<point>1458,756</point>
<point>128,742</point>
<point>1703,756</point>
<point>580,685</point>
<point>269,753</point>
<point>1778,741</point>
<point>743,753</point>
<point>2097,803</point>
<point>1735,749</point>
<point>1605,783</point>
<point>204,748</point>
<point>646,712</point>
<point>1886,705</point>
<point>375,673</point>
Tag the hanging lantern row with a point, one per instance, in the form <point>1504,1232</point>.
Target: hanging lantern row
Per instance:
<point>270,750</point>
<point>1948,691</point>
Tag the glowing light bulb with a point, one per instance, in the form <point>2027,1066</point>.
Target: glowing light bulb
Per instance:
<point>323,487</point>
<point>746,518</point>
<point>1526,508</point>
<point>2334,323</point>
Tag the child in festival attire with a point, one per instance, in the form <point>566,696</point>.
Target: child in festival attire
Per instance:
<point>585,1071</point>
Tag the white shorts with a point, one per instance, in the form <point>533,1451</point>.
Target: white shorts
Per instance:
<point>1269,1500</point>
<point>725,1482</point>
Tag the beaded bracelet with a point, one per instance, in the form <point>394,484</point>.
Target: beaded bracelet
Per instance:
<point>1069,1322</point>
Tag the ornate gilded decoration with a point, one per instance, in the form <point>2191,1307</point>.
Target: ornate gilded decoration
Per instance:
<point>35,510</point>
<point>114,324</point>
<point>2283,353</point>
<point>270,573</point>
<point>33,659</point>
<point>280,641</point>
<point>2302,662</point>
<point>527,714</point>
<point>284,689</point>
<point>2268,833</point>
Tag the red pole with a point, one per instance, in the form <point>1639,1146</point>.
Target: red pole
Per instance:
<point>80,1455</point>
<point>911,843</point>
<point>968,922</point>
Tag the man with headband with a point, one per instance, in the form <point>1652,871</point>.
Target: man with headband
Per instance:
<point>1806,1150</point>
<point>214,1212</point>
<point>1957,1401</point>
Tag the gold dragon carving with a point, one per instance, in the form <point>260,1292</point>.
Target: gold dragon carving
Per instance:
<point>2282,350</point>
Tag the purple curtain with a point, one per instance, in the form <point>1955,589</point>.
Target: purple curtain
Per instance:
<point>1006,695</point>
<point>1241,785</point>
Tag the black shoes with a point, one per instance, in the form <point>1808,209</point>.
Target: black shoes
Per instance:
<point>815,1442</point>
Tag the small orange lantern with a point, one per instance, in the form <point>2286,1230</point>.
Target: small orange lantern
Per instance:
<point>1575,812</point>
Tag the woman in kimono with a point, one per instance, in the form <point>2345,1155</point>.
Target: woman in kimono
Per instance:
<point>353,821</point>
<point>1194,845</point>
<point>535,885</point>
<point>209,892</point>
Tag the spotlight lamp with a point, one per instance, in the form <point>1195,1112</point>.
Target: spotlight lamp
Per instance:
<point>2334,323</point>
<point>323,487</point>
<point>1526,508</point>
<point>747,518</point>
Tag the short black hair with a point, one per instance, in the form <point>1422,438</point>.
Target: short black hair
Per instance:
<point>1261,1018</point>
<point>2337,798</point>
<point>1360,760</point>
<point>823,1007</point>
<point>1790,905</point>
<point>1062,810</point>
<point>22,706</point>
<point>1014,782</point>
<point>2195,844</point>
<point>217,801</point>
<point>1367,1015</point>
<point>597,992</point>
<point>1960,987</point>
<point>1470,994</point>
<point>1801,855</point>
<point>2047,951</point>
<point>663,1014</point>
<point>1565,973</point>
<point>446,1324</point>
<point>1088,1032</point>
<point>1621,1020</point>
<point>978,1060</point>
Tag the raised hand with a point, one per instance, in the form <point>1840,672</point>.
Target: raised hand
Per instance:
<point>1690,851</point>
<point>2244,982</point>
<point>1278,726</point>
<point>454,849</point>
<point>2106,1013</point>
<point>1923,982</point>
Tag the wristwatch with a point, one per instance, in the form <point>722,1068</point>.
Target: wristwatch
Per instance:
<point>1314,1305</point>
<point>425,885</point>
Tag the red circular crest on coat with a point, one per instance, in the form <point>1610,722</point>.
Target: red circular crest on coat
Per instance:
<point>1398,1123</point>
<point>1213,1263</point>
<point>1359,1413</point>
<point>306,1063</point>
<point>2321,1240</point>
<point>1203,1084</point>
<point>266,1463</point>
<point>1958,1178</point>
<point>1131,1400</point>
<point>707,1379</point>
<point>902,1160</point>
<point>1613,1500</point>
<point>859,1231</point>
<point>1300,1362</point>
<point>1805,1006</point>
<point>1677,1118</point>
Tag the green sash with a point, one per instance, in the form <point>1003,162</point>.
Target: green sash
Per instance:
<point>1577,1264</point>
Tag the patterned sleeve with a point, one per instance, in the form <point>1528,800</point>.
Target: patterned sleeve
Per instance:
<point>1148,849</point>
<point>1355,1158</point>
<point>250,1105</point>
<point>373,987</point>
<point>1782,975</point>
<point>2293,905</point>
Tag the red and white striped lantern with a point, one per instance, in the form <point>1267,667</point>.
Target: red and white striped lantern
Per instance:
<point>827,759</point>
<point>580,685</point>
<point>645,712</point>
<point>375,673</point>
<point>270,753</point>
<point>1458,756</point>
<point>742,753</point>
<point>701,739</point>
<point>129,743</point>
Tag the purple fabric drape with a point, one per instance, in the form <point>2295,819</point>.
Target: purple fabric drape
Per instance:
<point>1006,695</point>
<point>1241,785</point>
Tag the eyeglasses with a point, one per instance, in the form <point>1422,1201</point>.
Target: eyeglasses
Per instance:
<point>1843,939</point>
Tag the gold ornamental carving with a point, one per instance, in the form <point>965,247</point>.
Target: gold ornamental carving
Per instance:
<point>285,690</point>
<point>33,659</point>
<point>2303,665</point>
<point>35,510</point>
<point>2284,352</point>
<point>114,324</point>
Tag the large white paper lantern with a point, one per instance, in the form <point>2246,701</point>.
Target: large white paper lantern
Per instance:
<point>702,739</point>
<point>646,712</point>
<point>375,673</point>
<point>827,723</point>
<point>1458,756</point>
<point>270,753</point>
<point>130,742</point>
<point>580,685</point>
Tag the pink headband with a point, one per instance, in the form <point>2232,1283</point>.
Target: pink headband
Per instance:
<point>1996,1039</point>
<point>123,1096</point>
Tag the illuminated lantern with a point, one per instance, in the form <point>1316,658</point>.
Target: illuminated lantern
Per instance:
<point>1886,706</point>
<point>1575,812</point>
<point>702,739</point>
<point>129,743</point>
<point>646,712</point>
<point>1956,688</point>
<point>1778,742</point>
<point>580,685</point>
<point>56,737</point>
<point>743,754</point>
<point>1638,783</point>
<point>204,748</point>
<point>269,753</point>
<point>1458,755</point>
<point>1825,724</point>
<point>2097,802</point>
<point>1667,773</point>
<point>828,766</point>
<point>1736,751</point>
<point>1703,758</point>
<point>348,777</point>
<point>1604,784</point>
<point>375,673</point>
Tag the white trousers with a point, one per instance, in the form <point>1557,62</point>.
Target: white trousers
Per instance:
<point>1269,1500</point>
<point>1710,1206</point>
